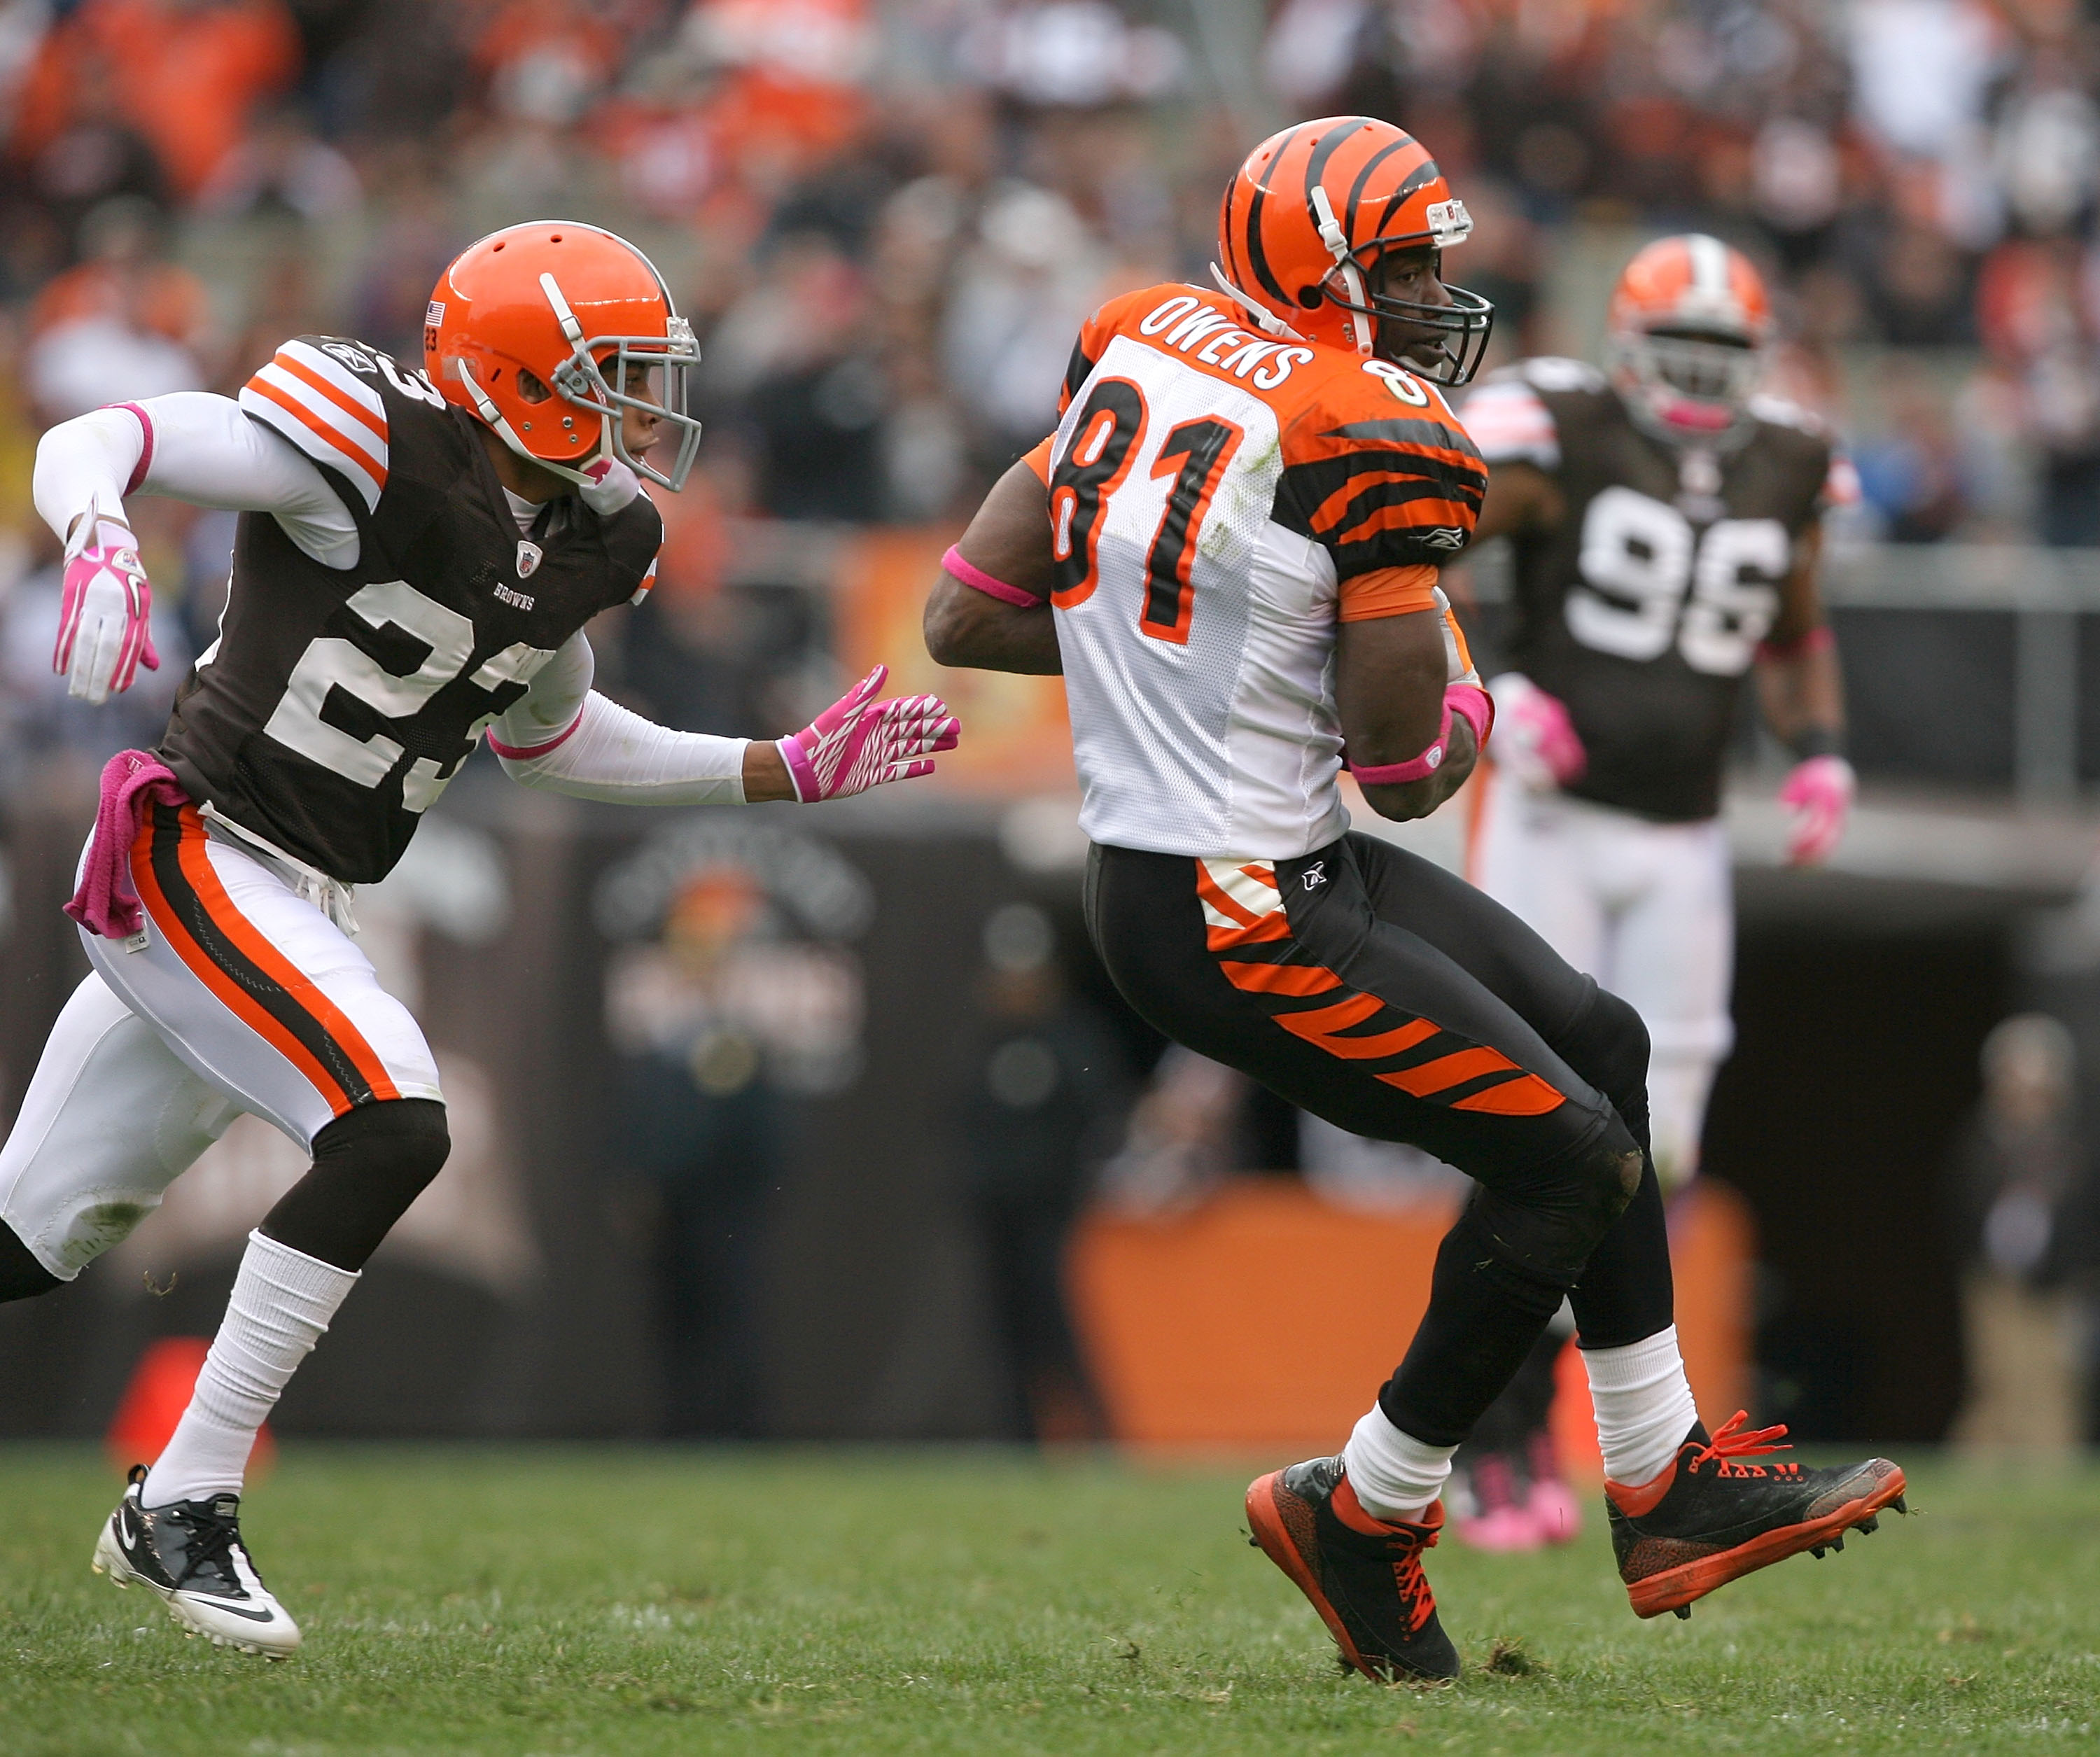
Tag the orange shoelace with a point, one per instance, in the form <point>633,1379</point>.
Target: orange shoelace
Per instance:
<point>1730,1442</point>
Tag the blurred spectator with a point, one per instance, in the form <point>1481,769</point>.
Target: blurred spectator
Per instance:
<point>1047,1089</point>
<point>1184,1137</point>
<point>186,73</point>
<point>797,355</point>
<point>2038,308</point>
<point>281,168</point>
<point>124,323</point>
<point>2020,1202</point>
<point>1027,281</point>
<point>1910,475</point>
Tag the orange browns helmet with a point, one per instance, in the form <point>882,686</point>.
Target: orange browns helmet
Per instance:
<point>536,329</point>
<point>1309,215</point>
<point>1688,327</point>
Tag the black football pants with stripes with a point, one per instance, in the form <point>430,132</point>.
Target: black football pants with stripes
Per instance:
<point>1373,988</point>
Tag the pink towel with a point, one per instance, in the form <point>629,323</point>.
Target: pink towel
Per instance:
<point>132,781</point>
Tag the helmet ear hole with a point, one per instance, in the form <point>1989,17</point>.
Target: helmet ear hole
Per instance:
<point>530,387</point>
<point>1310,297</point>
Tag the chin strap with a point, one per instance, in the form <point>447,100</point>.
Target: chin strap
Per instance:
<point>1264,320</point>
<point>1345,264</point>
<point>493,416</point>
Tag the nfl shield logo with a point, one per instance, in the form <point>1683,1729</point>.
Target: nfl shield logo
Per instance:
<point>528,558</point>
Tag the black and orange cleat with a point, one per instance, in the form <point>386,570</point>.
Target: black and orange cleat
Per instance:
<point>1712,1516</point>
<point>1363,1575</point>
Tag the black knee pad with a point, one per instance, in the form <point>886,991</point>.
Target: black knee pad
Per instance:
<point>22,1277</point>
<point>369,1166</point>
<point>1545,1229</point>
<point>1609,1046</point>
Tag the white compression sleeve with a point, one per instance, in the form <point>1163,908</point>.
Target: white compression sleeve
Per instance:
<point>564,737</point>
<point>198,448</point>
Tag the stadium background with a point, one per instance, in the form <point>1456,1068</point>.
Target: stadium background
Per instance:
<point>887,221</point>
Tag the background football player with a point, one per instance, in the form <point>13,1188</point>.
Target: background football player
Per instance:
<point>1231,551</point>
<point>419,552</point>
<point>1666,524</point>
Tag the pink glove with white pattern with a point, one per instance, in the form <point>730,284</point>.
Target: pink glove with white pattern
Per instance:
<point>104,618</point>
<point>1535,740</point>
<point>1820,794</point>
<point>858,742</point>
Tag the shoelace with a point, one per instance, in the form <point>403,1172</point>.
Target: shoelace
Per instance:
<point>211,1547</point>
<point>1728,1442</point>
<point>1417,1603</point>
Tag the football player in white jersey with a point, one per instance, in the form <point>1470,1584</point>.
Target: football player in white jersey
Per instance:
<point>1230,551</point>
<point>418,555</point>
<point>1666,526</point>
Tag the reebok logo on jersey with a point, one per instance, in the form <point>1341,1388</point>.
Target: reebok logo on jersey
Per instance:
<point>529,558</point>
<point>1444,536</point>
<point>1314,875</point>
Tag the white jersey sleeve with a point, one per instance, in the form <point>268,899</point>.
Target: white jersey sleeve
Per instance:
<point>563,737</point>
<point>190,445</point>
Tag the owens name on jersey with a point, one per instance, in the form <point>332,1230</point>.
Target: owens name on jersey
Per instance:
<point>1219,501</point>
<point>336,704</point>
<point>1644,608</point>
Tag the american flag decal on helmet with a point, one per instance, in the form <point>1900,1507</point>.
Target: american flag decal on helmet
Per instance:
<point>434,314</point>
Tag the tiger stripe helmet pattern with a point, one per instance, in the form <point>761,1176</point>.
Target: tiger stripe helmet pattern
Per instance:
<point>1307,217</point>
<point>1689,323</point>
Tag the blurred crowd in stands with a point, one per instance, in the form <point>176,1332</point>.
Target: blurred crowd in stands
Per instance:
<point>887,218</point>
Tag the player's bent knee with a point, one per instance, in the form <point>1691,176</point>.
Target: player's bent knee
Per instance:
<point>1545,1229</point>
<point>22,1277</point>
<point>1609,1046</point>
<point>369,1166</point>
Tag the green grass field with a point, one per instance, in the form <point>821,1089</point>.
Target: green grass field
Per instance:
<point>627,1602</point>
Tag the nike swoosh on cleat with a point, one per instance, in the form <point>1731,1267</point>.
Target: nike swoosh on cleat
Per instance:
<point>124,1532</point>
<point>231,1610</point>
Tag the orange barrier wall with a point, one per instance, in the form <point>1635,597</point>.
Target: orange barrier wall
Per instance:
<point>1268,1319</point>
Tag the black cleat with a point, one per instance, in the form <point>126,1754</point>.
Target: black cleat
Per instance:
<point>1711,1517</point>
<point>1364,1575</point>
<point>191,1553</point>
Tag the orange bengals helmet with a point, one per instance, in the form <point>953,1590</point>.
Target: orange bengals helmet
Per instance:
<point>1688,326</point>
<point>535,329</point>
<point>1308,217</point>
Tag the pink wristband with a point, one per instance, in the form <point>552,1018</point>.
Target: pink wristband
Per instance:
<point>1474,705</point>
<point>1818,639</point>
<point>978,580</point>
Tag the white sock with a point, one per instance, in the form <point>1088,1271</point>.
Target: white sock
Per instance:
<point>1396,1477</point>
<point>1643,1404</point>
<point>282,1304</point>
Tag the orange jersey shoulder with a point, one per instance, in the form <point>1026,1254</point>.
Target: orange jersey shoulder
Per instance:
<point>1376,468</point>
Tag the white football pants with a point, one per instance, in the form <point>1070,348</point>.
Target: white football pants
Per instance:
<point>241,995</point>
<point>1646,909</point>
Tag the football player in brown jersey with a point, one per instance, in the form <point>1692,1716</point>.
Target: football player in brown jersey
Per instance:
<point>419,552</point>
<point>1666,522</point>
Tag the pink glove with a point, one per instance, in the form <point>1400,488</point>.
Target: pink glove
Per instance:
<point>104,633</point>
<point>1535,740</point>
<point>1819,793</point>
<point>858,743</point>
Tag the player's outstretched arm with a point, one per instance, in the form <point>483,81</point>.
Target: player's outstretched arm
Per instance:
<point>1412,736</point>
<point>990,608</point>
<point>1802,690</point>
<point>190,446</point>
<point>563,737</point>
